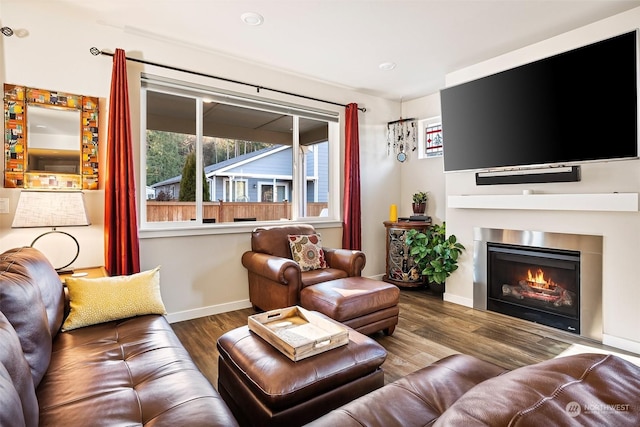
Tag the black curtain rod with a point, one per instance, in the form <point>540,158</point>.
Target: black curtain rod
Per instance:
<point>95,51</point>
<point>400,121</point>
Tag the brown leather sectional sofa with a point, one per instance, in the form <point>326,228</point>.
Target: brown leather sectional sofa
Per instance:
<point>582,390</point>
<point>136,372</point>
<point>129,372</point>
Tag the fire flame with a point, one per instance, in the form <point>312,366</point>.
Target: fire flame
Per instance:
<point>538,278</point>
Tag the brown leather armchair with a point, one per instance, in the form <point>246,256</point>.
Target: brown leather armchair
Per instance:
<point>275,280</point>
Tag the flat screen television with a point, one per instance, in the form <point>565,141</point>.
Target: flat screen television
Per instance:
<point>573,107</point>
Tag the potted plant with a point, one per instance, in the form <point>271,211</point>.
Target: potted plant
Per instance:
<point>420,202</point>
<point>435,254</point>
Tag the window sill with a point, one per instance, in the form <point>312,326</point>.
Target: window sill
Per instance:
<point>160,230</point>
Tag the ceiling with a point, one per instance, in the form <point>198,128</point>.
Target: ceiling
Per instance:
<point>344,41</point>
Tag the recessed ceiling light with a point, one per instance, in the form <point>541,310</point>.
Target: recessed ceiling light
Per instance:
<point>386,66</point>
<point>252,18</point>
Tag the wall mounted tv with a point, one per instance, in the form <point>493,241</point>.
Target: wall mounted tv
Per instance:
<point>573,107</point>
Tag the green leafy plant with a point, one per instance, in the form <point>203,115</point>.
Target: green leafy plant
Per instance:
<point>435,254</point>
<point>420,197</point>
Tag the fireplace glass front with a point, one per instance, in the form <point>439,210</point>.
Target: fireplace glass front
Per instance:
<point>536,284</point>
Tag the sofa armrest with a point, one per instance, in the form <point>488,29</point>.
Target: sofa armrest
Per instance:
<point>271,267</point>
<point>348,260</point>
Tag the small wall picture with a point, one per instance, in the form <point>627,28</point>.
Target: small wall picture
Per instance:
<point>430,141</point>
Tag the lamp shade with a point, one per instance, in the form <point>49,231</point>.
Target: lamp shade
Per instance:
<point>50,209</point>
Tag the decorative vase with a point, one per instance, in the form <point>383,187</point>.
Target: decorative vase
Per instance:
<point>419,208</point>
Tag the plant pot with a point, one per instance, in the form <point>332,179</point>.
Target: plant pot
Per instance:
<point>419,208</point>
<point>436,288</point>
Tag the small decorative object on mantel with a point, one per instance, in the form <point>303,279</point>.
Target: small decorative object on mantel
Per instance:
<point>419,204</point>
<point>393,213</point>
<point>402,138</point>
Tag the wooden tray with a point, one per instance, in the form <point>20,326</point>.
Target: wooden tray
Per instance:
<point>298,333</point>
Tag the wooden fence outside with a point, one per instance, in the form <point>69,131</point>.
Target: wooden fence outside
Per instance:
<point>225,211</point>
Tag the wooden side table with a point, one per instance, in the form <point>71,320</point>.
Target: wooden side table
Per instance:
<point>92,273</point>
<point>401,269</point>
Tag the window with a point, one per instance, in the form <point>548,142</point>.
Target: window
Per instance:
<point>266,193</point>
<point>235,190</point>
<point>213,157</point>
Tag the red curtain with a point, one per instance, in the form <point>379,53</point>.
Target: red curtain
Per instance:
<point>352,226</point>
<point>122,252</point>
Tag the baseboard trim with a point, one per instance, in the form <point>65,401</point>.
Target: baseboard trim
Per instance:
<point>621,343</point>
<point>467,302</point>
<point>179,316</point>
<point>195,313</point>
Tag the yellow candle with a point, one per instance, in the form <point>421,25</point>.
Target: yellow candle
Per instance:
<point>393,213</point>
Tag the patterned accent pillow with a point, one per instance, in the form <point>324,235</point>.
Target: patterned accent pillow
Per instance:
<point>306,250</point>
<point>105,299</point>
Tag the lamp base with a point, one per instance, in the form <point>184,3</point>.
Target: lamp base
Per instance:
<point>75,256</point>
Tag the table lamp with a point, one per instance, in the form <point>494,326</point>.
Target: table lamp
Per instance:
<point>52,209</point>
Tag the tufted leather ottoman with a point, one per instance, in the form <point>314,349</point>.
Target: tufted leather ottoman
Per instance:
<point>263,387</point>
<point>365,305</point>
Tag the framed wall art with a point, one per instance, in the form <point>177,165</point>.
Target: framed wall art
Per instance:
<point>430,140</point>
<point>50,139</point>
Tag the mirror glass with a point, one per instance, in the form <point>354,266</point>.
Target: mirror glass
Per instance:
<point>54,139</point>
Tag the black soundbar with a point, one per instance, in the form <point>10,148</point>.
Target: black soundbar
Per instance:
<point>529,176</point>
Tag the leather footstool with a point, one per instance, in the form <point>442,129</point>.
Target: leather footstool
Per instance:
<point>263,387</point>
<point>363,304</point>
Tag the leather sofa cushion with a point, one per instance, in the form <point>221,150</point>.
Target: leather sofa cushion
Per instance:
<point>127,372</point>
<point>18,404</point>
<point>32,299</point>
<point>351,297</point>
<point>416,400</point>
<point>11,414</point>
<point>275,240</point>
<point>320,275</point>
<point>571,390</point>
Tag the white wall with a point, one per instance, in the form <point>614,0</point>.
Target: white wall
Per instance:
<point>423,174</point>
<point>621,230</point>
<point>200,274</point>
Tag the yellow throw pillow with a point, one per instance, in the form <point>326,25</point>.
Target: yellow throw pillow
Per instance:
<point>105,299</point>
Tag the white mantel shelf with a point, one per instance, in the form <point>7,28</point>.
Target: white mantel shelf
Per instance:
<point>610,202</point>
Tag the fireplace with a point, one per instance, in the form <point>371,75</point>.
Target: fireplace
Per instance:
<point>536,284</point>
<point>553,279</point>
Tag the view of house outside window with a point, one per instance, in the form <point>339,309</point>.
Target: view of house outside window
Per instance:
<point>212,162</point>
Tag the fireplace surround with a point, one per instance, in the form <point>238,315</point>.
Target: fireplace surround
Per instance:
<point>579,310</point>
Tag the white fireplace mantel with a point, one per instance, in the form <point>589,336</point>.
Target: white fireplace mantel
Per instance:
<point>611,202</point>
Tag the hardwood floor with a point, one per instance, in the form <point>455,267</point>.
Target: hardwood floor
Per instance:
<point>428,329</point>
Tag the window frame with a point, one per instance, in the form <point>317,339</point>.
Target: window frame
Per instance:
<point>296,111</point>
<point>284,185</point>
<point>232,184</point>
